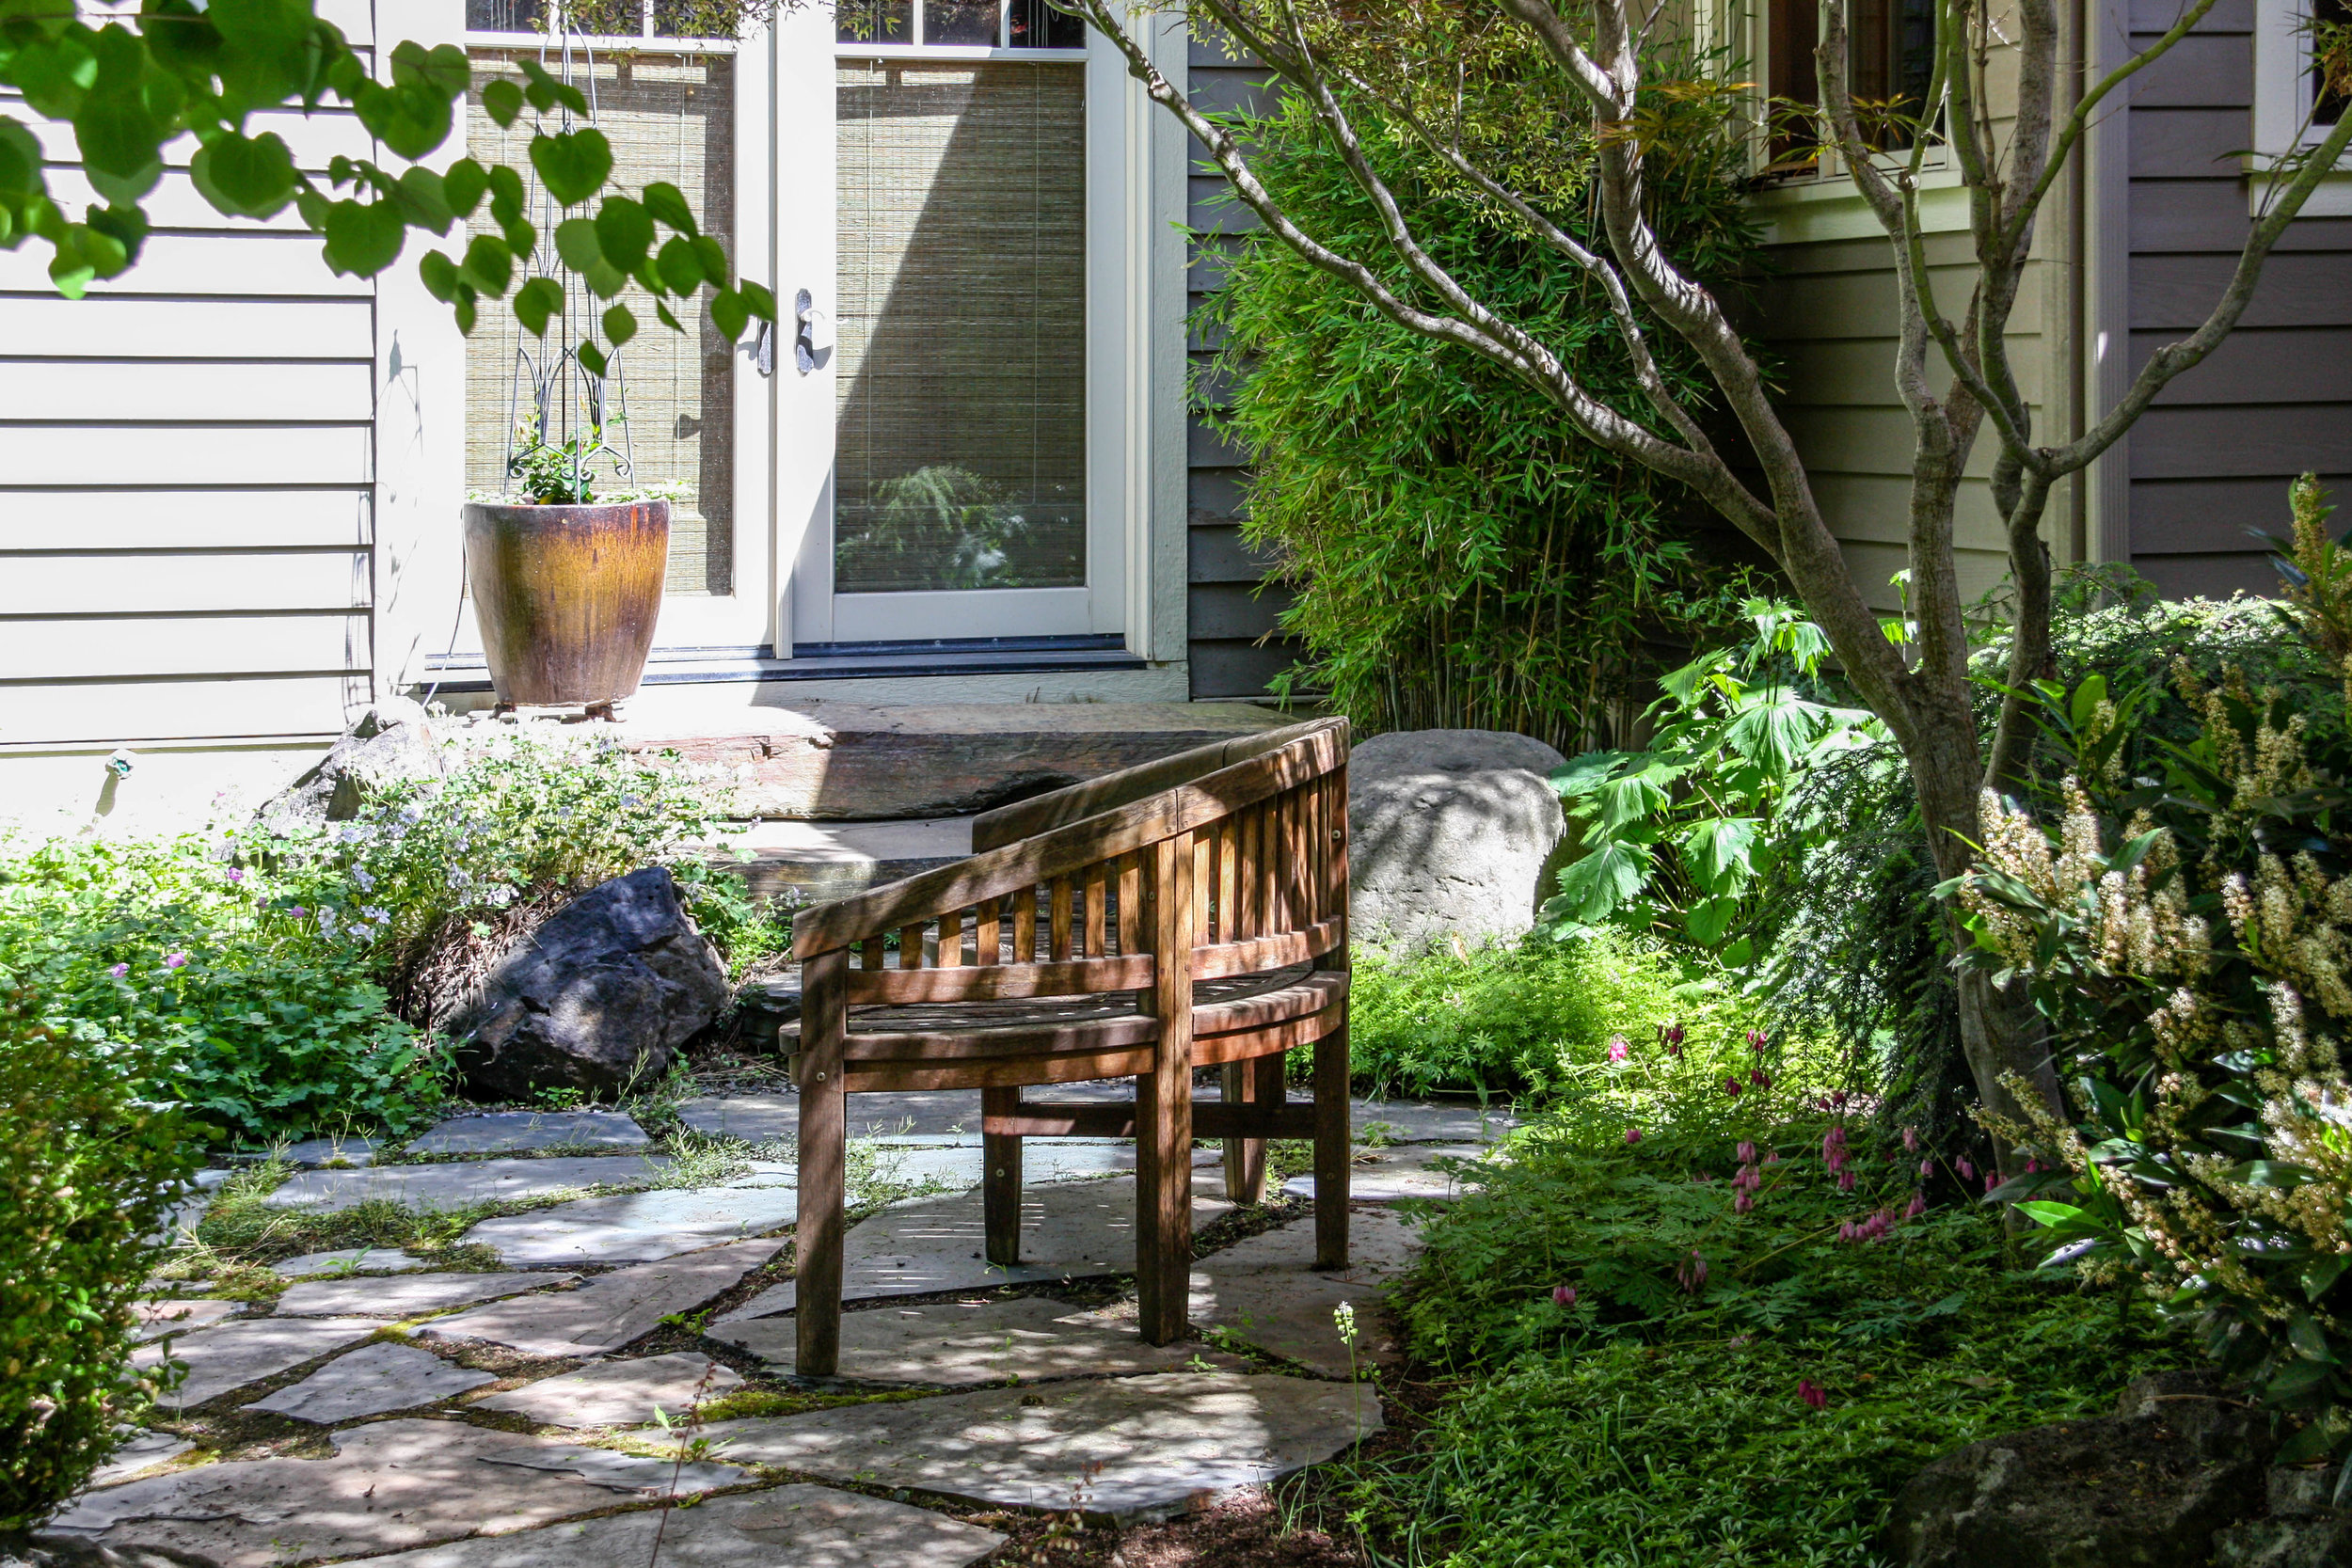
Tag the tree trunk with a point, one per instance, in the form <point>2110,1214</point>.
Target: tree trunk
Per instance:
<point>1999,1031</point>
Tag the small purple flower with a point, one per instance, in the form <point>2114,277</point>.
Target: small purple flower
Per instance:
<point>1967,1171</point>
<point>1618,1049</point>
<point>175,960</point>
<point>1693,1275</point>
<point>1918,1206</point>
<point>1812,1393</point>
<point>236,874</point>
<point>1845,1182</point>
<point>1563,1295</point>
<point>1633,1134</point>
<point>1927,1167</point>
<point>298,911</point>
<point>1747,1153</point>
<point>119,971</point>
<point>1911,1140</point>
<point>1744,1204</point>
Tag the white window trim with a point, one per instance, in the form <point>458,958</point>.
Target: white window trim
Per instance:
<point>1134,399</point>
<point>2283,103</point>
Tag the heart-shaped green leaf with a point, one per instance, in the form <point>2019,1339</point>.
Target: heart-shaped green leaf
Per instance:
<point>681,268</point>
<point>619,326</point>
<point>502,101</point>
<point>439,276</point>
<point>363,238</point>
<point>537,301</point>
<point>713,257</point>
<point>624,231</point>
<point>592,358</point>
<point>52,73</point>
<point>489,266</point>
<point>545,92</point>
<point>668,203</point>
<point>506,187</point>
<point>576,242</point>
<point>728,314</point>
<point>411,118</point>
<point>248,177</point>
<point>756,299</point>
<point>605,280</point>
<point>421,199</point>
<point>20,164</point>
<point>463,186</point>
<point>667,319</point>
<point>574,163</point>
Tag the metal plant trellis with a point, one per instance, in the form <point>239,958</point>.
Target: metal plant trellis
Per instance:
<point>565,397</point>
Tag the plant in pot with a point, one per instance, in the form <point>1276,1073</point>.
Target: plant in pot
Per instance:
<point>566,587</point>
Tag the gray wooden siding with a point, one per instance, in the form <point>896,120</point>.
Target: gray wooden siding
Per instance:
<point>186,459</point>
<point>2212,459</point>
<point>1229,614</point>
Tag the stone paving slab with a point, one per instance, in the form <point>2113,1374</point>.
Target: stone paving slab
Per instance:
<point>786,1527</point>
<point>609,1310</point>
<point>761,1118</point>
<point>159,1318</point>
<point>1386,1174</point>
<point>503,1131</point>
<point>355,1261</point>
<point>403,1295</point>
<point>371,1380</point>
<point>1132,1449</point>
<point>957,1344</point>
<point>456,1183</point>
<point>392,1485</point>
<point>633,1227</point>
<point>1071,1230</point>
<point>221,1360</point>
<point>143,1451</point>
<point>616,1393</point>
<point>312,1153</point>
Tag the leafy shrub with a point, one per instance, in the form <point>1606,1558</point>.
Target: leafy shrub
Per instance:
<point>1672,838</point>
<point>2186,926</point>
<point>254,1021</point>
<point>1755,1355</point>
<point>90,1168</point>
<point>1530,1017</point>
<point>1456,560</point>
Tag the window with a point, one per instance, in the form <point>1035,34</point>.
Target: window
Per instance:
<point>2296,104</point>
<point>670,397</point>
<point>959,25</point>
<point>960,455</point>
<point>1890,52</point>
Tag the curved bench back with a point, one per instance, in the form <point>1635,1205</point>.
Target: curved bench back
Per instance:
<point>1076,910</point>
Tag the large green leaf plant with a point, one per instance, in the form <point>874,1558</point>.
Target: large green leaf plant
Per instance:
<point>1671,838</point>
<point>131,82</point>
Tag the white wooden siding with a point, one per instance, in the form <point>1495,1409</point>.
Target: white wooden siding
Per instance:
<point>187,471</point>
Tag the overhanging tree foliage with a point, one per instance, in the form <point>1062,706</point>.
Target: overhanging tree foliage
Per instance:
<point>131,82</point>
<point>1343,57</point>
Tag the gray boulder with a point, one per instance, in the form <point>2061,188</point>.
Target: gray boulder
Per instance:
<point>600,996</point>
<point>391,742</point>
<point>1451,835</point>
<point>2302,1530</point>
<point>2146,1488</point>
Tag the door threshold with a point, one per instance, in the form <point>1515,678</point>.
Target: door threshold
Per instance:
<point>814,661</point>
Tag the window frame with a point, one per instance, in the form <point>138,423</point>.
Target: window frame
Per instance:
<point>2282,106</point>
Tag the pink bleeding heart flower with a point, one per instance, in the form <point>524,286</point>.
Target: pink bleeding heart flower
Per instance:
<point>1911,1140</point>
<point>1813,1393</point>
<point>1760,1078</point>
<point>1992,1180</point>
<point>1918,1206</point>
<point>1633,1134</point>
<point>2033,1166</point>
<point>1755,1040</point>
<point>1967,1171</point>
<point>1731,1087</point>
<point>1747,1153</point>
<point>1837,1097</point>
<point>1744,1204</point>
<point>1618,1049</point>
<point>1845,1182</point>
<point>1771,1156</point>
<point>1563,1295</point>
<point>1927,1167</point>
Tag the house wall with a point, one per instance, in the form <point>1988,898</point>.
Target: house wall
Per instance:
<point>2213,458</point>
<point>190,520</point>
<point>1228,613</point>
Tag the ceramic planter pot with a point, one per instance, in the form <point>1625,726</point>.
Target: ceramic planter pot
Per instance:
<point>566,597</point>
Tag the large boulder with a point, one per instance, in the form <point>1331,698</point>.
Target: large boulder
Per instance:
<point>599,997</point>
<point>1450,836</point>
<point>391,742</point>
<point>2148,1487</point>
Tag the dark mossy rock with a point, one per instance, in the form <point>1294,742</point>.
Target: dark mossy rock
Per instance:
<point>597,998</point>
<point>2146,1488</point>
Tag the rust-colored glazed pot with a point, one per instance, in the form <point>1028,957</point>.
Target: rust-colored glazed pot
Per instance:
<point>566,597</point>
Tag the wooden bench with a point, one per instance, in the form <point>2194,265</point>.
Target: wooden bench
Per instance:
<point>1186,912</point>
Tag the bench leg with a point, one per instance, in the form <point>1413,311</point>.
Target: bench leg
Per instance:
<point>1000,1179</point>
<point>1249,1083</point>
<point>1332,1149</point>
<point>824,1133</point>
<point>1164,1205</point>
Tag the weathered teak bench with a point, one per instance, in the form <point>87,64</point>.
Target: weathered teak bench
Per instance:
<point>1185,913</point>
